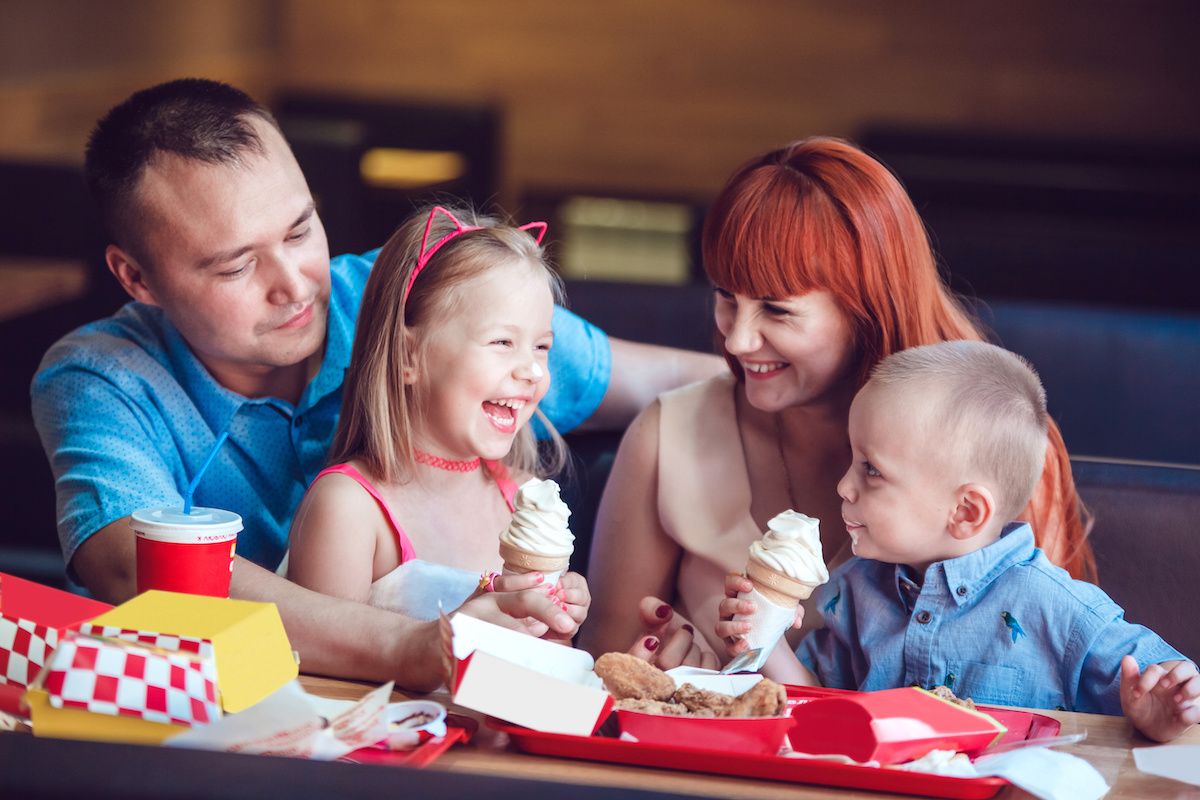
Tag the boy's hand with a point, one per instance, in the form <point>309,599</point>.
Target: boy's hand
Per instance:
<point>1162,701</point>
<point>727,629</point>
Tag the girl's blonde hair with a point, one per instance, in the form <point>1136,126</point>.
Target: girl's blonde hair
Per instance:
<point>379,410</point>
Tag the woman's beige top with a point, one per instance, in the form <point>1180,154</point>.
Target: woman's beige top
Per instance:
<point>704,498</point>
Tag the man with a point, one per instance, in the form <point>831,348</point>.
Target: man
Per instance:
<point>243,325</point>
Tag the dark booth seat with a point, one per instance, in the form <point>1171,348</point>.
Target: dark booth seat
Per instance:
<point>1147,542</point>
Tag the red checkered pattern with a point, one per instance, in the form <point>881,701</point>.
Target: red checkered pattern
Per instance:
<point>110,676</point>
<point>25,647</point>
<point>184,644</point>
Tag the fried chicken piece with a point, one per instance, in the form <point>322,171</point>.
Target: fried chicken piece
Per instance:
<point>945,693</point>
<point>765,699</point>
<point>627,676</point>
<point>701,702</point>
<point>651,707</point>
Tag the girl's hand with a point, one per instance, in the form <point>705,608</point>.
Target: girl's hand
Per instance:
<point>667,641</point>
<point>572,596</point>
<point>518,602</point>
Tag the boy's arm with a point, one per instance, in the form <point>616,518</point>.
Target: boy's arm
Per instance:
<point>1128,669</point>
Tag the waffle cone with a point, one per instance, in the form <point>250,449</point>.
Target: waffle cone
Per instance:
<point>782,590</point>
<point>517,560</point>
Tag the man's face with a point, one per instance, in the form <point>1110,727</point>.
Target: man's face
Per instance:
<point>237,258</point>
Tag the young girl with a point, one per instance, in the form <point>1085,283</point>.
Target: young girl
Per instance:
<point>448,367</point>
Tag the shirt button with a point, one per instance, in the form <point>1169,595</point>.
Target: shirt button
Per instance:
<point>961,591</point>
<point>923,617</point>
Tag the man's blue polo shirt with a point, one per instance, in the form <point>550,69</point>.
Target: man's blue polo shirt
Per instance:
<point>126,414</point>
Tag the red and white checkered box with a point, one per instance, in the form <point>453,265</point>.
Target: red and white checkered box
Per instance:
<point>184,644</point>
<point>32,620</point>
<point>116,677</point>
<point>24,649</point>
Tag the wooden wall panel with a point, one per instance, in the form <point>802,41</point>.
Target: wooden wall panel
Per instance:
<point>667,96</point>
<point>63,63</point>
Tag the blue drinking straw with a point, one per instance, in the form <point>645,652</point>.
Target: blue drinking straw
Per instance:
<point>191,489</point>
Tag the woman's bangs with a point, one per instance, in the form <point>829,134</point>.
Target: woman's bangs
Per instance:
<point>754,254</point>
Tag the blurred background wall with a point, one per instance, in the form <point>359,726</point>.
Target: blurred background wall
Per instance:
<point>661,97</point>
<point>1051,146</point>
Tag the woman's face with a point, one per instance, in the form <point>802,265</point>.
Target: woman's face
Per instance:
<point>794,350</point>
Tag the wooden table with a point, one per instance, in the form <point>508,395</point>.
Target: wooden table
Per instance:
<point>1107,748</point>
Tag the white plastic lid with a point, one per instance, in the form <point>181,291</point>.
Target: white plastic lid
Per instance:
<point>165,520</point>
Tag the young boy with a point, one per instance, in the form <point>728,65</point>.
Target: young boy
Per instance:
<point>948,442</point>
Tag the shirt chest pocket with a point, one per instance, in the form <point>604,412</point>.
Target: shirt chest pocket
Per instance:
<point>989,684</point>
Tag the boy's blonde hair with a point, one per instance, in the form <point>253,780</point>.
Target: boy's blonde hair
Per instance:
<point>986,403</point>
<point>379,410</point>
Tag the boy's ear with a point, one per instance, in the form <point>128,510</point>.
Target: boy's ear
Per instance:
<point>976,508</point>
<point>129,274</point>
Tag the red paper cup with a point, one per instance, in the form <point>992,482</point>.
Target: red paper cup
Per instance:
<point>188,553</point>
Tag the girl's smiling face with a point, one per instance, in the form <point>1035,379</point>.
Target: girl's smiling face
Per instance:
<point>482,369</point>
<point>793,350</point>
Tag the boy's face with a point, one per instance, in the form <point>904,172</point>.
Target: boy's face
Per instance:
<point>898,497</point>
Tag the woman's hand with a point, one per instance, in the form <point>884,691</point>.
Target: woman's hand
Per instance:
<point>667,640</point>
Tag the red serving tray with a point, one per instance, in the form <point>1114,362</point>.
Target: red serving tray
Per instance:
<point>1021,725</point>
<point>458,729</point>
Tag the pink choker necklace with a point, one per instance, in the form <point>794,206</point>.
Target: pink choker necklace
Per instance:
<point>437,462</point>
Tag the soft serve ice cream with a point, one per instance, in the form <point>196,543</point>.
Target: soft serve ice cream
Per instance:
<point>538,538</point>
<point>790,548</point>
<point>785,566</point>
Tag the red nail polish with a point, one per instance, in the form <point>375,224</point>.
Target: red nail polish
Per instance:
<point>689,629</point>
<point>663,611</point>
<point>651,644</point>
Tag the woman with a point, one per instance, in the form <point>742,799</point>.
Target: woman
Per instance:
<point>820,267</point>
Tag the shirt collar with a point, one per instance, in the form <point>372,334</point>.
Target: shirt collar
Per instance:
<point>215,403</point>
<point>968,575</point>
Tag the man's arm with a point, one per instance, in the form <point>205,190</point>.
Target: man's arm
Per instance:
<point>106,563</point>
<point>333,636</point>
<point>640,373</point>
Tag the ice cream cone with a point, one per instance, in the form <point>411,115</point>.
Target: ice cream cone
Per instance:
<point>537,538</point>
<point>782,590</point>
<point>518,561</point>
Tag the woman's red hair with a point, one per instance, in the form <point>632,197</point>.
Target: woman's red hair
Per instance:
<point>822,214</point>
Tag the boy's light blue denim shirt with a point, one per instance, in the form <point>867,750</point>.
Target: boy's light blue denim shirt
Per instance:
<point>1001,625</point>
<point>127,413</point>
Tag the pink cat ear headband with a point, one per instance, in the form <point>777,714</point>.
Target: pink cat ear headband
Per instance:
<point>428,250</point>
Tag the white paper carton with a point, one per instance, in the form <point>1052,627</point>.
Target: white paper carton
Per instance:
<point>526,681</point>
